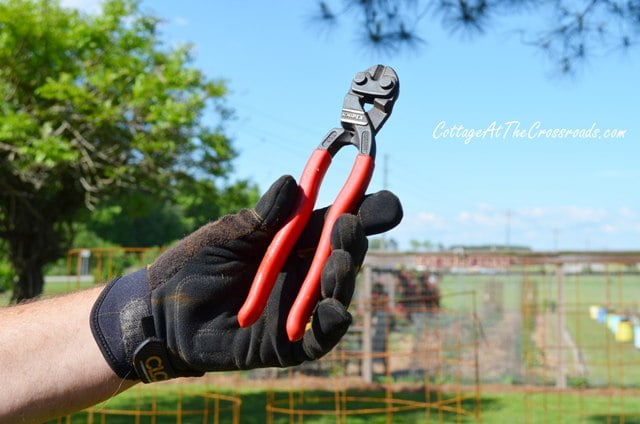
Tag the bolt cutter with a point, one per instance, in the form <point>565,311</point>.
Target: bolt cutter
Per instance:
<point>378,87</point>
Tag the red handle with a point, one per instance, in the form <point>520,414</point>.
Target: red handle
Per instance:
<point>347,201</point>
<point>285,238</point>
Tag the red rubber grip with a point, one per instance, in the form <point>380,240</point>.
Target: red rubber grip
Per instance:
<point>285,238</point>
<point>348,199</point>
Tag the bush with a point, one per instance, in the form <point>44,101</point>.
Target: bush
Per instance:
<point>7,274</point>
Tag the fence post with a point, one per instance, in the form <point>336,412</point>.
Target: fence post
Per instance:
<point>561,376</point>
<point>367,333</point>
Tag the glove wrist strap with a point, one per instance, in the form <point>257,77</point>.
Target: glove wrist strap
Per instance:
<point>116,321</point>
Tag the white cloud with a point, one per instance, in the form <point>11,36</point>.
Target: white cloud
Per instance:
<point>482,217</point>
<point>535,212</point>
<point>563,215</point>
<point>463,216</point>
<point>535,226</point>
<point>584,214</point>
<point>627,213</point>
<point>426,221</point>
<point>180,21</point>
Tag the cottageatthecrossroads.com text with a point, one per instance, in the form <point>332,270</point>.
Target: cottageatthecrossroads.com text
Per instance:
<point>515,130</point>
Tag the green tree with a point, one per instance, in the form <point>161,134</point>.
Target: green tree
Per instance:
<point>134,219</point>
<point>384,244</point>
<point>415,245</point>
<point>92,106</point>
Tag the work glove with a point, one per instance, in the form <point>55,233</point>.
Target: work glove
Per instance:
<point>178,317</point>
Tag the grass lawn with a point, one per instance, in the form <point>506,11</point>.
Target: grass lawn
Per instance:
<point>620,291</point>
<point>51,289</point>
<point>496,408</point>
<point>608,362</point>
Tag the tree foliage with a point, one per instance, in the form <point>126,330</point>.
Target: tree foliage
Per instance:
<point>95,107</point>
<point>417,245</point>
<point>133,219</point>
<point>568,31</point>
<point>384,244</point>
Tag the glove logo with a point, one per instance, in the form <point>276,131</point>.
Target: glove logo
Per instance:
<point>155,369</point>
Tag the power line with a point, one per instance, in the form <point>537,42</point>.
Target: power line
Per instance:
<point>288,124</point>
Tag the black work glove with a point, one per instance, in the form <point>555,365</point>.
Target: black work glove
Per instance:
<point>179,316</point>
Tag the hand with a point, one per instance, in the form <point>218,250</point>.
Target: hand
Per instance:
<point>183,311</point>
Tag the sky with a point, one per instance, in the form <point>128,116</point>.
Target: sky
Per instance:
<point>287,77</point>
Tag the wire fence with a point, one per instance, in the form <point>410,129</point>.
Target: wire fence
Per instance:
<point>436,336</point>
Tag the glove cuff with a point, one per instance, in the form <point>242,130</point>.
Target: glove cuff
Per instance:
<point>116,321</point>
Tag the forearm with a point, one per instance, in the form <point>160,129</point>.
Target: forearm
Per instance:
<point>50,363</point>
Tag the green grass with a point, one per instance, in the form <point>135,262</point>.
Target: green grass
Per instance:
<point>496,408</point>
<point>456,290</point>
<point>253,407</point>
<point>607,361</point>
<point>621,291</point>
<point>51,289</point>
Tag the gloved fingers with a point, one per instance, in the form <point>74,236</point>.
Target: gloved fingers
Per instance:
<point>330,322</point>
<point>349,244</point>
<point>338,277</point>
<point>331,319</point>
<point>348,235</point>
<point>247,232</point>
<point>378,212</point>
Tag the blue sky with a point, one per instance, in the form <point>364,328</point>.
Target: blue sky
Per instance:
<point>288,76</point>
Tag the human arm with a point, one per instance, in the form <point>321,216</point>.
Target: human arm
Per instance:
<point>50,363</point>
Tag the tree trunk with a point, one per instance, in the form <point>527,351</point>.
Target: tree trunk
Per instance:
<point>30,282</point>
<point>35,226</point>
<point>29,251</point>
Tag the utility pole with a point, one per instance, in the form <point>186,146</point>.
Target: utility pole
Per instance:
<point>385,186</point>
<point>508,229</point>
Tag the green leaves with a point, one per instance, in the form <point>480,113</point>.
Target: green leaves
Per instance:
<point>50,149</point>
<point>85,85</point>
<point>95,107</point>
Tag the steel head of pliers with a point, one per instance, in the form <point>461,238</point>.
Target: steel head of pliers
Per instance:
<point>378,87</point>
